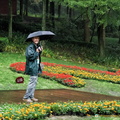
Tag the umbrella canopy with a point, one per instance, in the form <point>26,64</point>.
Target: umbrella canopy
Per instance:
<point>44,35</point>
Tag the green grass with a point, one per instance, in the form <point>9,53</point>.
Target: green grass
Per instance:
<point>101,87</point>
<point>108,40</point>
<point>3,39</point>
<point>7,81</point>
<point>7,77</point>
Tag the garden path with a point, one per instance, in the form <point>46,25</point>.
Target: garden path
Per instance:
<point>53,95</point>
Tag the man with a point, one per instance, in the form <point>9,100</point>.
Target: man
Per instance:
<point>33,60</point>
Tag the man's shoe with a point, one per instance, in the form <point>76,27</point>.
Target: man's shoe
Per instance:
<point>27,100</point>
<point>34,99</point>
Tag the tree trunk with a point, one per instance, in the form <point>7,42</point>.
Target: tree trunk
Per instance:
<point>10,21</point>
<point>59,10</point>
<point>67,10</point>
<point>87,29</point>
<point>26,7</point>
<point>70,13</point>
<point>52,13</point>
<point>101,40</point>
<point>93,27</point>
<point>21,7</point>
<point>47,8</point>
<point>119,34</point>
<point>44,16</point>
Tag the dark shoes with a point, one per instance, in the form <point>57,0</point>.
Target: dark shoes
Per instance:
<point>30,100</point>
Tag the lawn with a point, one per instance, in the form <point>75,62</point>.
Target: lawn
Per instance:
<point>7,81</point>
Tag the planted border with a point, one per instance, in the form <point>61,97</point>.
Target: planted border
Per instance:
<point>85,73</point>
<point>65,79</point>
<point>71,75</point>
<point>42,110</point>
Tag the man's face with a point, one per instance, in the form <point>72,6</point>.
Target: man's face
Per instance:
<point>36,40</point>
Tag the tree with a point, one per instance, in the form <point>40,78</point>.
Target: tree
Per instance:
<point>52,13</point>
<point>21,9</point>
<point>101,9</point>
<point>87,26</point>
<point>44,16</point>
<point>59,10</point>
<point>10,20</point>
<point>26,7</point>
<point>119,34</point>
<point>47,8</point>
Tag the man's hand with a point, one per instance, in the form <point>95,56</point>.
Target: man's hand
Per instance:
<point>37,50</point>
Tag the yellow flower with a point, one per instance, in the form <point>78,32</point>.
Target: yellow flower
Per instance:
<point>88,114</point>
<point>12,116</point>
<point>0,115</point>
<point>80,109</point>
<point>51,111</point>
<point>7,117</point>
<point>112,108</point>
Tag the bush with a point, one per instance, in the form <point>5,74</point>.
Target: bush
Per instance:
<point>15,48</point>
<point>83,53</point>
<point>3,43</point>
<point>35,111</point>
<point>68,30</point>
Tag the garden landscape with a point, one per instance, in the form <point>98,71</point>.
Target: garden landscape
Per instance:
<point>81,75</point>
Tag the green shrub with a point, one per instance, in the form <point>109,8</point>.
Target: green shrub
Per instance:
<point>16,45</point>
<point>15,48</point>
<point>82,52</point>
<point>35,111</point>
<point>3,43</point>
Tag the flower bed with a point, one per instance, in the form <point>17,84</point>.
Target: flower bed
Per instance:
<point>18,67</point>
<point>71,75</point>
<point>83,68</point>
<point>41,110</point>
<point>84,74</point>
<point>65,79</point>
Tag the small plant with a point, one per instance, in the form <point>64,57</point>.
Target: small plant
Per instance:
<point>43,110</point>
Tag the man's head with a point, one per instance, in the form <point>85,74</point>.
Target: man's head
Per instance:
<point>36,40</point>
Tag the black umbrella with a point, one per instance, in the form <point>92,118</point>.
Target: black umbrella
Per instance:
<point>44,35</point>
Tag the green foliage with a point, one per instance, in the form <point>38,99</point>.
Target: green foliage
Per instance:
<point>84,53</point>
<point>71,51</point>
<point>69,30</point>
<point>43,110</point>
<point>26,28</point>
<point>101,8</point>
<point>17,44</point>
<point>18,25</point>
<point>48,53</point>
<point>3,43</point>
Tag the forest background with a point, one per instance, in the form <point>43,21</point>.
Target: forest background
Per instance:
<point>87,31</point>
